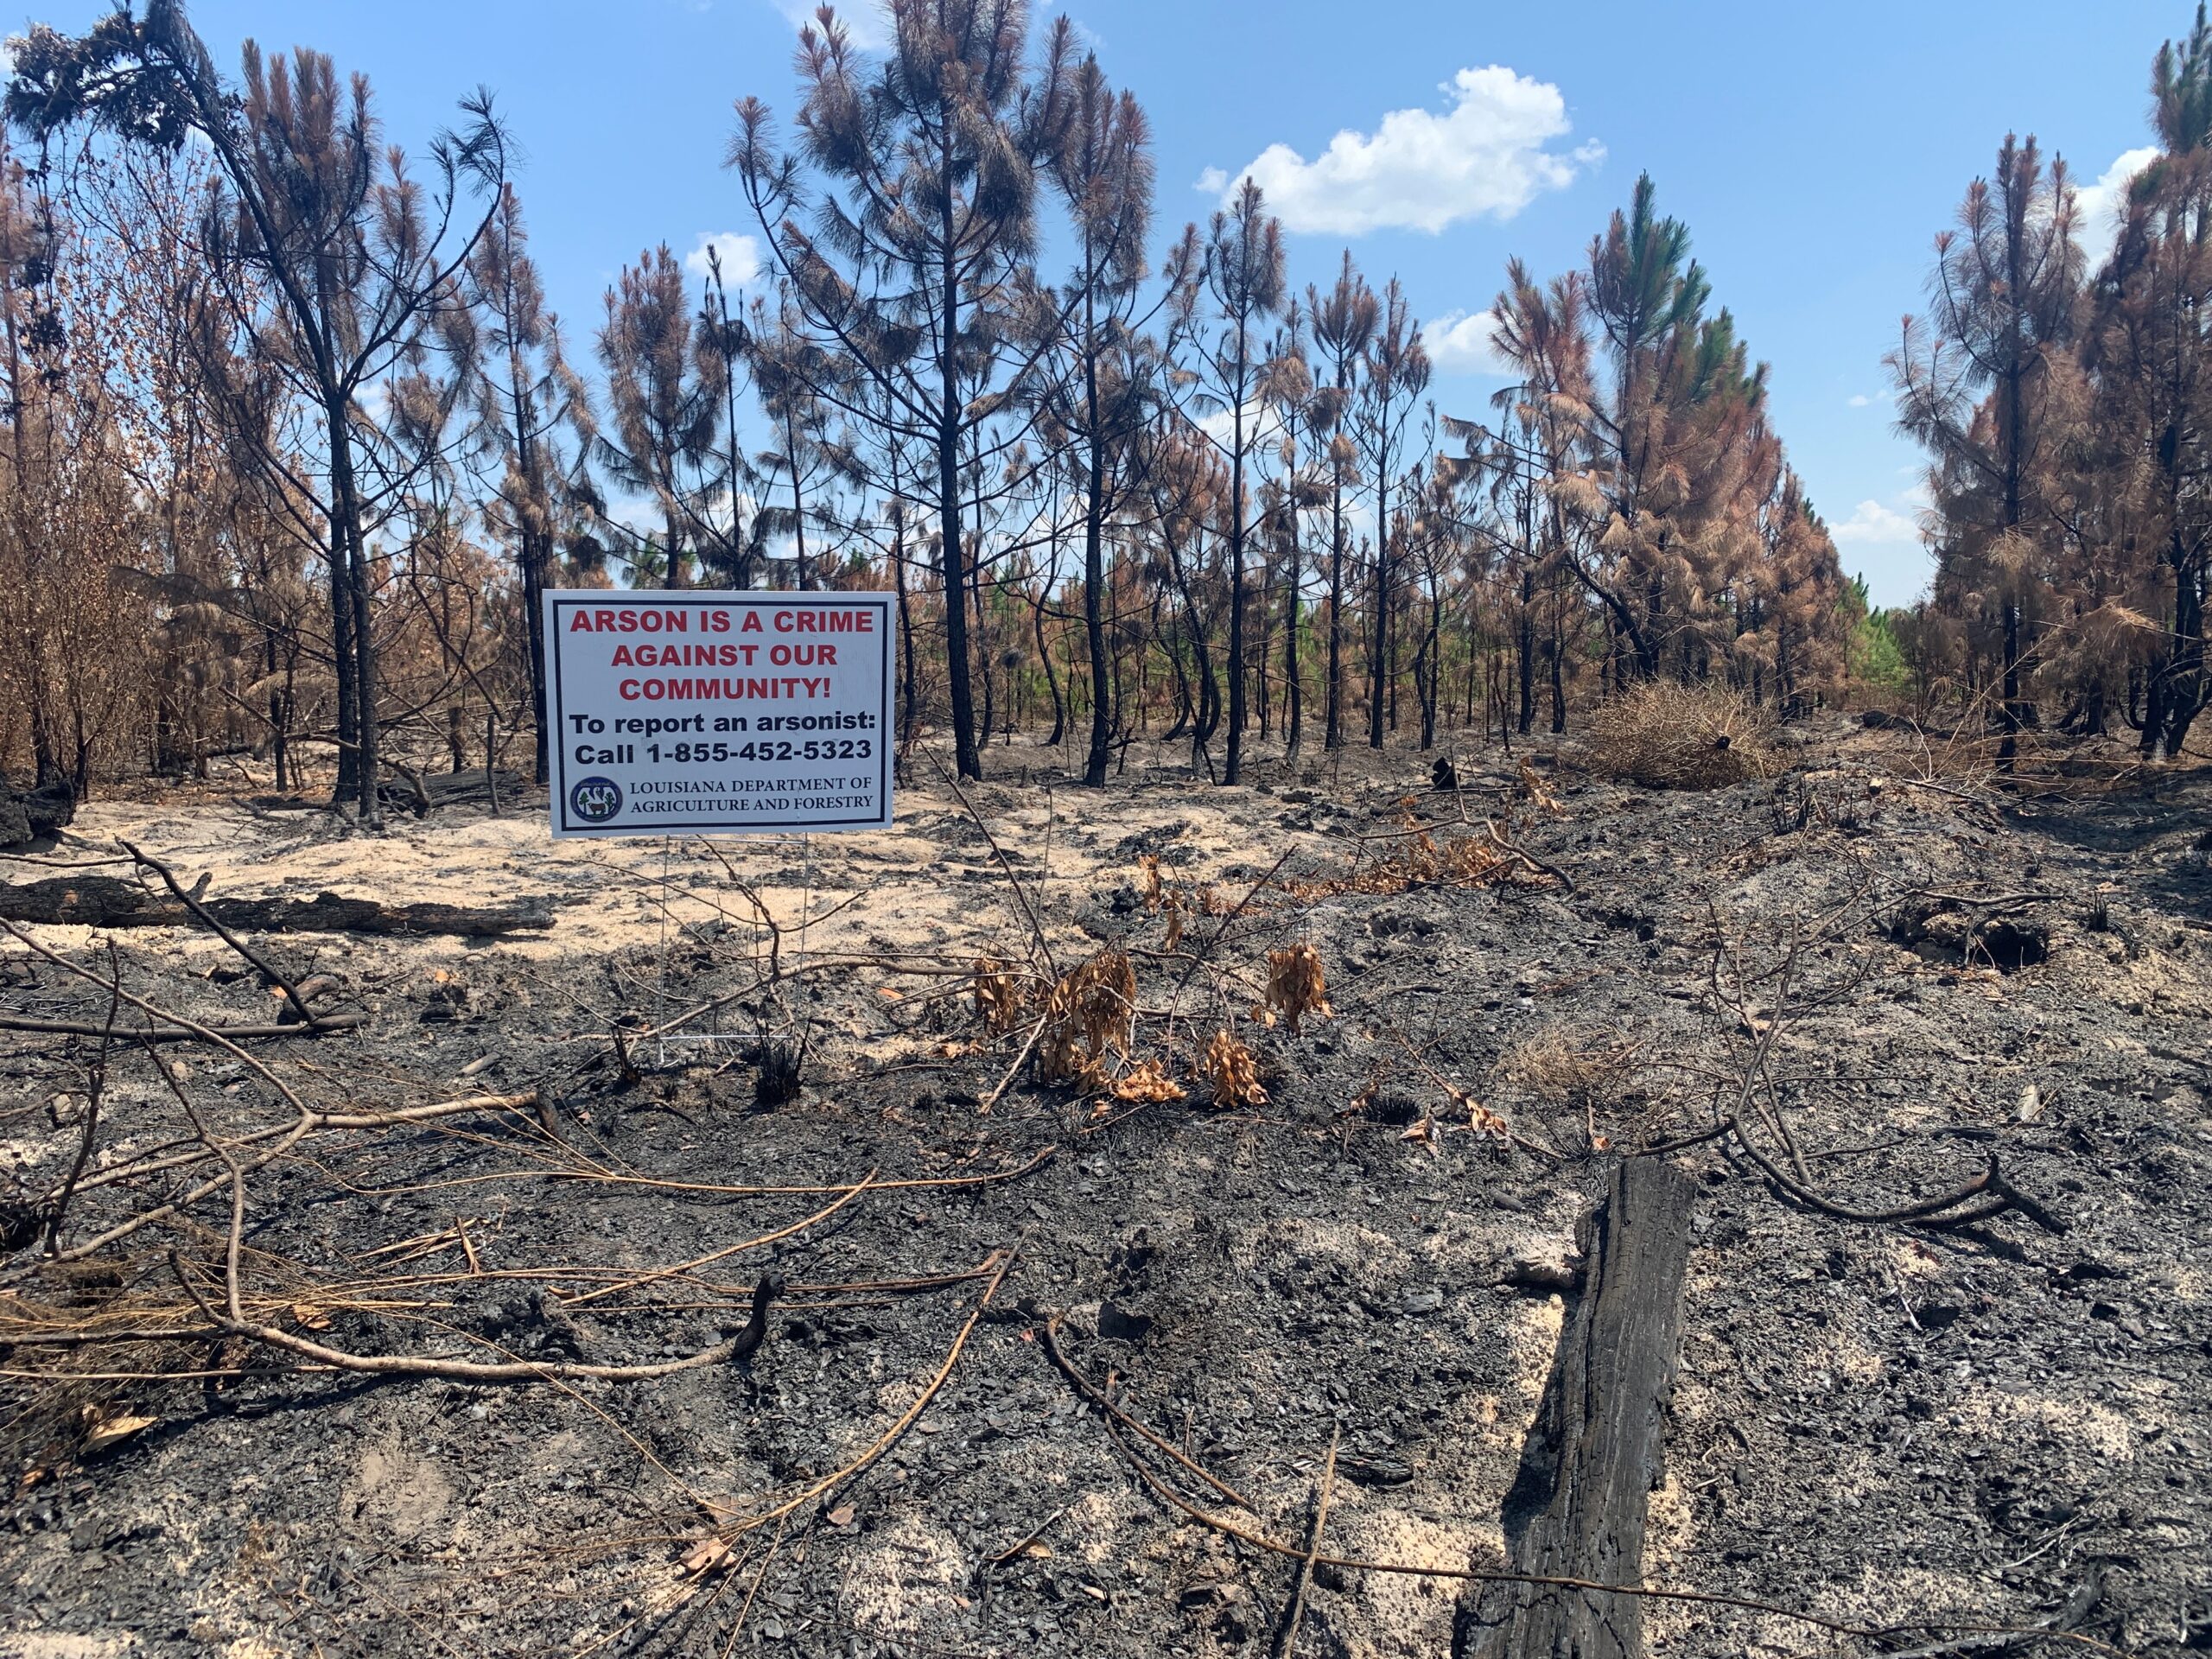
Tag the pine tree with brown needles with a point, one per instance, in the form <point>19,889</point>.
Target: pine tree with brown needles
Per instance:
<point>333,254</point>
<point>662,438</point>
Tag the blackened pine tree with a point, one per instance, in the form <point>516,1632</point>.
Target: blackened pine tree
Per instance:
<point>2150,350</point>
<point>1101,396</point>
<point>1221,319</point>
<point>1981,382</point>
<point>1395,373</point>
<point>532,415</point>
<point>1342,322</point>
<point>905,221</point>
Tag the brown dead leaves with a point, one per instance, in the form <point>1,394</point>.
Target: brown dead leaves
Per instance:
<point>1530,787</point>
<point>1296,989</point>
<point>1090,1015</point>
<point>1233,1071</point>
<point>998,997</point>
<point>1148,1080</point>
<point>102,1431</point>
<point>706,1558</point>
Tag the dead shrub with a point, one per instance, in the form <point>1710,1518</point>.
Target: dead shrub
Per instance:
<point>1422,861</point>
<point>998,998</point>
<point>1666,735</point>
<point>1530,787</point>
<point>1296,986</point>
<point>1092,1011</point>
<point>1233,1071</point>
<point>1155,889</point>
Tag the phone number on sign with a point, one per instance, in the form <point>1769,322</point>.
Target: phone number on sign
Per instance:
<point>854,748</point>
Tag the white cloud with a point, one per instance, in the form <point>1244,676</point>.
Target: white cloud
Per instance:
<point>1459,343</point>
<point>1858,400</point>
<point>740,258</point>
<point>1872,525</point>
<point>374,400</point>
<point>1263,425</point>
<point>1213,181</point>
<point>862,20</point>
<point>1421,170</point>
<point>2100,207</point>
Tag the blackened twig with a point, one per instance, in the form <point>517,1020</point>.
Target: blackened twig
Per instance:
<point>269,970</point>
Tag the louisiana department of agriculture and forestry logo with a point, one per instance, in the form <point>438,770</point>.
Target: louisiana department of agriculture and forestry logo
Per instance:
<point>595,799</point>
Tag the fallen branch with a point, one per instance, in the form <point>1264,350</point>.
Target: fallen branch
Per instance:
<point>732,1530</point>
<point>108,901</point>
<point>1529,858</point>
<point>1050,1334</point>
<point>1324,1490</point>
<point>344,1020</point>
<point>461,1370</point>
<point>709,1259</point>
<point>95,1086</point>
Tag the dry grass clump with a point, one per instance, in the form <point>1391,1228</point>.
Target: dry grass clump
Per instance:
<point>1554,1068</point>
<point>1666,735</point>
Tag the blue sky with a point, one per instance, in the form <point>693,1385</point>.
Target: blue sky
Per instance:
<point>1815,150</point>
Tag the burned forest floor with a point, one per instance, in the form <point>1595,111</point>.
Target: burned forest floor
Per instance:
<point>1270,1116</point>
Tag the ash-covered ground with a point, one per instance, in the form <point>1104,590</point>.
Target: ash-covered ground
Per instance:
<point>1882,1424</point>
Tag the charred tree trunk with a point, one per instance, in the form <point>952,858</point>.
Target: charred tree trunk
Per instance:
<point>1577,1509</point>
<point>1051,676</point>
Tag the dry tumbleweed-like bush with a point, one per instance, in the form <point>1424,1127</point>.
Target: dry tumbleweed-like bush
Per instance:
<point>1235,1074</point>
<point>1296,986</point>
<point>1468,861</point>
<point>1666,735</point>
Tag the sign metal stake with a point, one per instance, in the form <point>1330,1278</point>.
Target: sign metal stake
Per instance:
<point>705,712</point>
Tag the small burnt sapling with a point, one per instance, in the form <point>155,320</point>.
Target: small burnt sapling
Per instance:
<point>782,1068</point>
<point>749,1340</point>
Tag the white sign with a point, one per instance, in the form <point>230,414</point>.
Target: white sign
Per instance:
<point>694,712</point>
